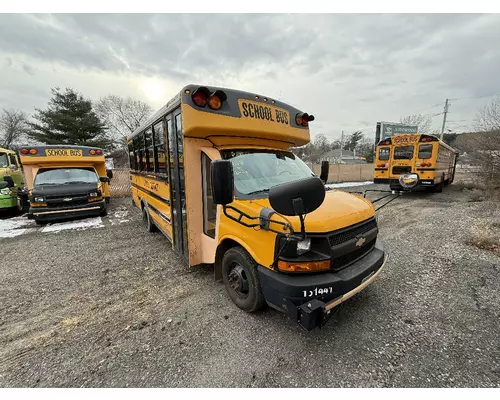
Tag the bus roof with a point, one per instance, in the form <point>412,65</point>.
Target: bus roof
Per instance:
<point>419,137</point>
<point>230,109</point>
<point>61,154</point>
<point>60,146</point>
<point>8,151</point>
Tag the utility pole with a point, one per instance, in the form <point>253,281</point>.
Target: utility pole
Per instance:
<point>444,117</point>
<point>341,145</point>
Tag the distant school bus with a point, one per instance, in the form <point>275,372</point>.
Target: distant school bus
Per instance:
<point>427,160</point>
<point>65,182</point>
<point>213,171</point>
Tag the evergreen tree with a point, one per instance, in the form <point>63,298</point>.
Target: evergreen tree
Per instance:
<point>69,119</point>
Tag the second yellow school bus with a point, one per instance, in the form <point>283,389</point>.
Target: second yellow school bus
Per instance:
<point>432,160</point>
<point>213,171</point>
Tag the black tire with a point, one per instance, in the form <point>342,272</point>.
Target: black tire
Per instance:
<point>21,205</point>
<point>150,226</point>
<point>240,276</point>
<point>107,199</point>
<point>41,223</point>
<point>104,211</point>
<point>439,187</point>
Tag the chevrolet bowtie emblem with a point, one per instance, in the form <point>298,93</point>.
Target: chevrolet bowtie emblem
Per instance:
<point>67,199</point>
<point>360,242</point>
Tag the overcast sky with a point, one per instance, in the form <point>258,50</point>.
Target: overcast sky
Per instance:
<point>350,71</point>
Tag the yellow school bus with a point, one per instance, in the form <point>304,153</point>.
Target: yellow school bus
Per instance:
<point>213,171</point>
<point>65,182</point>
<point>429,160</point>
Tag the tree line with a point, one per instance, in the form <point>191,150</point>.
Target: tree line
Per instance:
<point>70,118</point>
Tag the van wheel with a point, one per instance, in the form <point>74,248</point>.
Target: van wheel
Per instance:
<point>21,205</point>
<point>41,223</point>
<point>240,276</point>
<point>104,211</point>
<point>150,226</point>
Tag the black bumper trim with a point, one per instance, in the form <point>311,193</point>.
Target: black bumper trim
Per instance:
<point>288,293</point>
<point>54,214</point>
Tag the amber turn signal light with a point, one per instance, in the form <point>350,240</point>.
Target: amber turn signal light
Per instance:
<point>310,266</point>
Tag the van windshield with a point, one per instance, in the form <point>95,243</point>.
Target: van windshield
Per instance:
<point>256,171</point>
<point>4,163</point>
<point>63,176</point>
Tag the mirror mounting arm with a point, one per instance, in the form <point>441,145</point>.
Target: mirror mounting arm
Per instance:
<point>242,214</point>
<point>302,227</point>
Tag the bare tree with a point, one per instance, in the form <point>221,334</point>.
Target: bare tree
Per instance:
<point>122,116</point>
<point>488,117</point>
<point>13,125</point>
<point>424,122</point>
<point>483,146</point>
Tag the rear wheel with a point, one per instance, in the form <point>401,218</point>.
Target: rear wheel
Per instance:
<point>240,276</point>
<point>439,187</point>
<point>150,226</point>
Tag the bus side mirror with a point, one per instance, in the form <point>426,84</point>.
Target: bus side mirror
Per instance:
<point>325,167</point>
<point>222,181</point>
<point>297,197</point>
<point>109,173</point>
<point>9,181</point>
<point>104,179</point>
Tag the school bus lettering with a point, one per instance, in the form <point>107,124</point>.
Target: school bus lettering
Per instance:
<point>151,185</point>
<point>63,153</point>
<point>263,112</point>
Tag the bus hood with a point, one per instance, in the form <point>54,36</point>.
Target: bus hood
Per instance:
<point>64,190</point>
<point>339,210</point>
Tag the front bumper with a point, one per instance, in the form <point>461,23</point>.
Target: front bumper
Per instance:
<point>396,184</point>
<point>52,214</point>
<point>310,298</point>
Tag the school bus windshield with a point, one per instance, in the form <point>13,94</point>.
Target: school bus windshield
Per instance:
<point>258,171</point>
<point>62,176</point>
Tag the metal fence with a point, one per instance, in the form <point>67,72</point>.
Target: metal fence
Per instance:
<point>347,172</point>
<point>120,183</point>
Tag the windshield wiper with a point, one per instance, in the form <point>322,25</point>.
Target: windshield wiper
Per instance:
<point>70,183</point>
<point>259,191</point>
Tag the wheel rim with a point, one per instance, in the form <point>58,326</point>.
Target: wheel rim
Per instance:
<point>238,280</point>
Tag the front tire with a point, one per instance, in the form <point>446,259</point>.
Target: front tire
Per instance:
<point>150,226</point>
<point>240,276</point>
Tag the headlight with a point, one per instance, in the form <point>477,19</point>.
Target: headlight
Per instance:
<point>5,191</point>
<point>93,194</point>
<point>38,199</point>
<point>303,246</point>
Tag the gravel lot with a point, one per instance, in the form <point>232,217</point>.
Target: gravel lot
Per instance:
<point>111,305</point>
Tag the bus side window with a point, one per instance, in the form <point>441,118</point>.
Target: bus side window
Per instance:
<point>425,151</point>
<point>13,162</point>
<point>209,207</point>
<point>160,155</point>
<point>148,150</point>
<point>131,156</point>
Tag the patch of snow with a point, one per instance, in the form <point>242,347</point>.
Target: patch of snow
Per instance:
<point>119,217</point>
<point>79,225</point>
<point>347,184</point>
<point>16,226</point>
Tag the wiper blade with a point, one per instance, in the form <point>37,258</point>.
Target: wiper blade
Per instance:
<point>70,183</point>
<point>259,191</point>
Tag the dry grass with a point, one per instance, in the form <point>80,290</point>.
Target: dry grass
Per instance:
<point>486,243</point>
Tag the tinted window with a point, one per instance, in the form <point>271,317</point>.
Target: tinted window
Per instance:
<point>148,137</point>
<point>4,161</point>
<point>384,153</point>
<point>403,153</point>
<point>425,151</point>
<point>160,150</point>
<point>209,207</point>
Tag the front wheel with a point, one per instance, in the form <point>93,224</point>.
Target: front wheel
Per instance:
<point>104,211</point>
<point>240,276</point>
<point>150,226</point>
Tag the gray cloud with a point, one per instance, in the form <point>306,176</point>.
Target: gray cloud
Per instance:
<point>342,68</point>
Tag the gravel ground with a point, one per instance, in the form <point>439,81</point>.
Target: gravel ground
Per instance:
<point>112,306</point>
